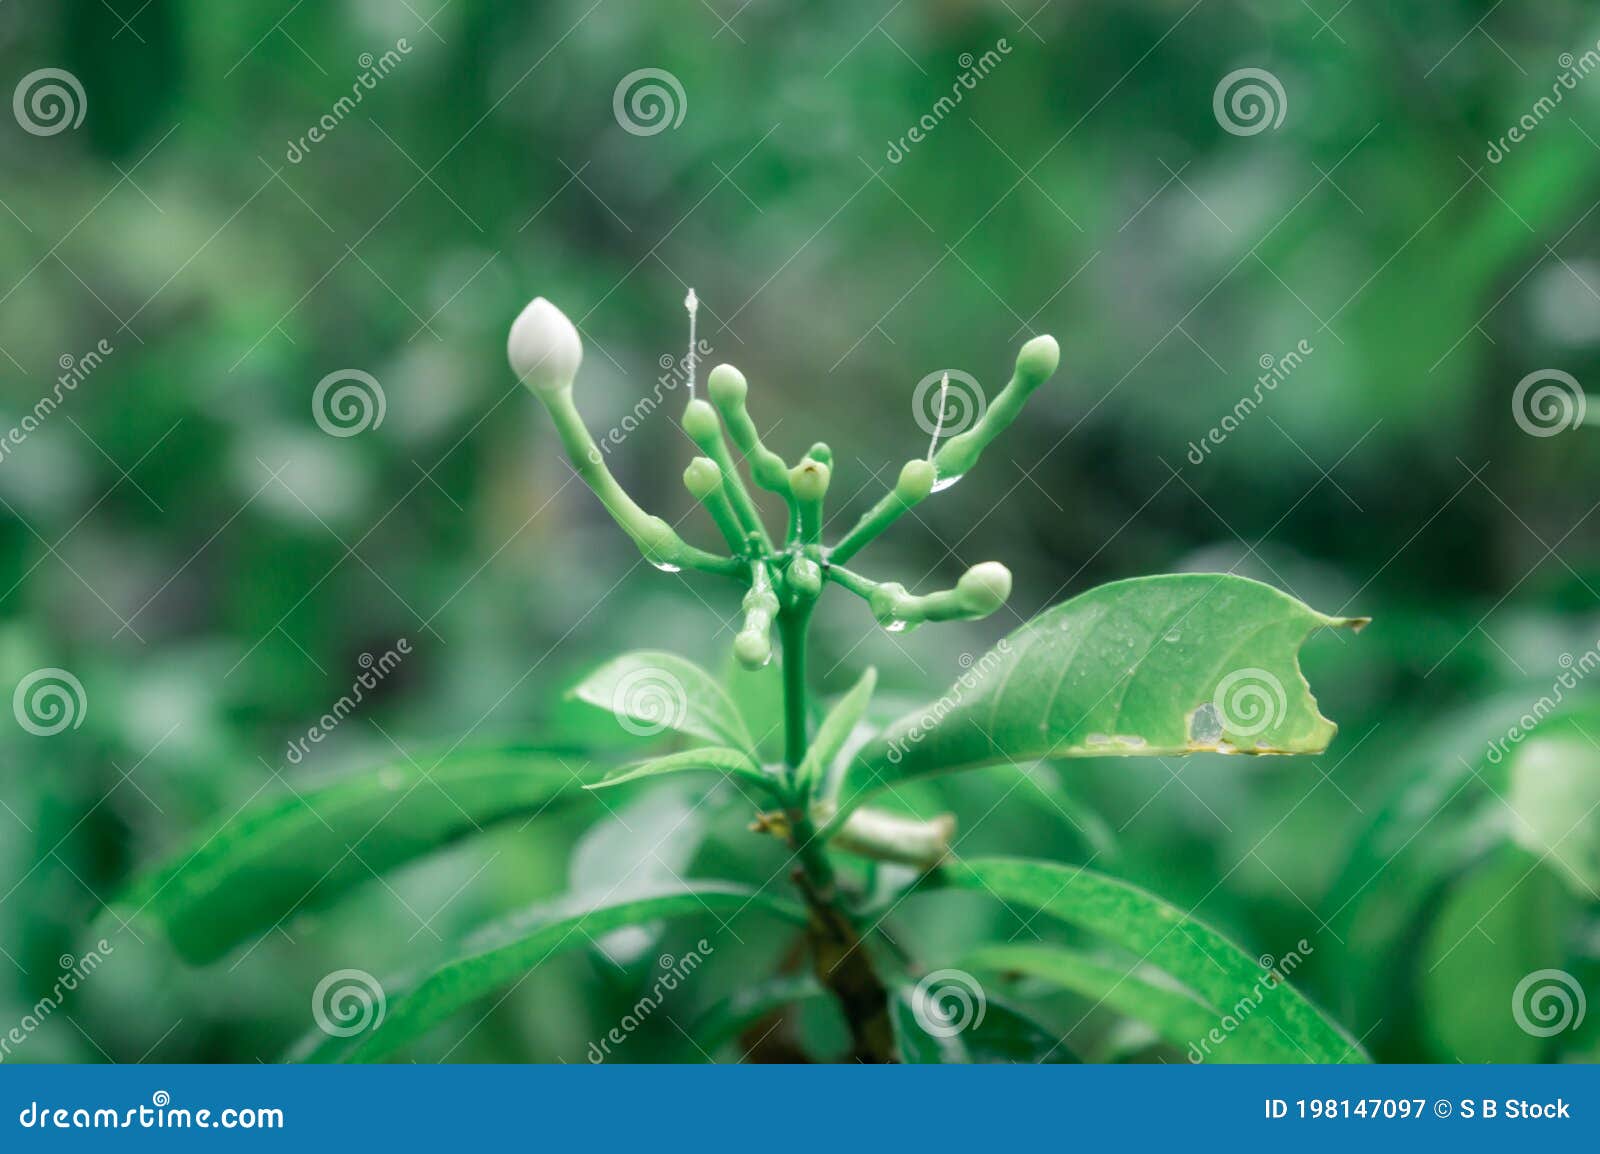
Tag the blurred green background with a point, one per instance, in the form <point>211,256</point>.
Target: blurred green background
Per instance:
<point>185,538</point>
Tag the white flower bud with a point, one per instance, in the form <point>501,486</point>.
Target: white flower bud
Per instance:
<point>544,348</point>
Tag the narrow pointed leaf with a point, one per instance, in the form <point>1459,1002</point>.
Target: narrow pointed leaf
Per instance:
<point>1178,1014</point>
<point>651,692</point>
<point>981,1030</point>
<point>712,759</point>
<point>500,954</point>
<point>730,1017</point>
<point>835,729</point>
<point>1154,666</point>
<point>1256,999</point>
<point>302,851</point>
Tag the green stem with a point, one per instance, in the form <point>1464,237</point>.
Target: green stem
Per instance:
<point>793,624</point>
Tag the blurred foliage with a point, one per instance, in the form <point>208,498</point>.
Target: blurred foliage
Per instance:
<point>183,537</point>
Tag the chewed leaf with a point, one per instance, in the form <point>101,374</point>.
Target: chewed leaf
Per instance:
<point>651,692</point>
<point>1155,666</point>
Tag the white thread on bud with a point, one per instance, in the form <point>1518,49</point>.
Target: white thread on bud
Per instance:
<point>938,428</point>
<point>692,304</point>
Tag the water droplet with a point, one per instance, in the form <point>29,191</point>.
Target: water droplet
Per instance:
<point>897,625</point>
<point>667,568</point>
<point>1173,636</point>
<point>944,483</point>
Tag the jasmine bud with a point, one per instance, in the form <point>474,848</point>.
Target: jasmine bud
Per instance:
<point>809,480</point>
<point>544,349</point>
<point>727,386</point>
<point>1038,358</point>
<point>702,478</point>
<point>821,452</point>
<point>984,588</point>
<point>700,422</point>
<point>916,481</point>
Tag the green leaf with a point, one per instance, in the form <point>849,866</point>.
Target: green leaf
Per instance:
<point>269,861</point>
<point>715,759</point>
<point>1147,995</point>
<point>1256,1000</point>
<point>1155,666</point>
<point>732,1016</point>
<point>954,1021</point>
<point>501,953</point>
<point>1555,803</point>
<point>650,691</point>
<point>834,731</point>
<point>1505,921</point>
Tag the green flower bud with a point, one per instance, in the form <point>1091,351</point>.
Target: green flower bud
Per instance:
<point>916,481</point>
<point>1038,358</point>
<point>809,480</point>
<point>544,349</point>
<point>753,650</point>
<point>702,478</point>
<point>727,386</point>
<point>821,452</point>
<point>805,576</point>
<point>984,588</point>
<point>700,422</point>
